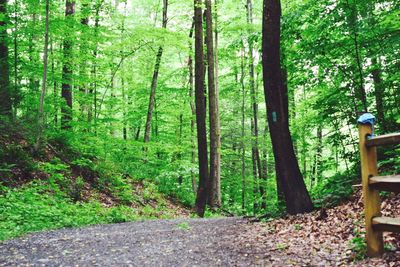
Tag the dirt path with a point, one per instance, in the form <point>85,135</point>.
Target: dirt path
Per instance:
<point>184,242</point>
<point>150,243</point>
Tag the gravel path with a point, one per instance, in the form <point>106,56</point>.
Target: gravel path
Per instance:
<point>183,242</point>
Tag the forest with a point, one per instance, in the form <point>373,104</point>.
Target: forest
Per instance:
<point>113,111</point>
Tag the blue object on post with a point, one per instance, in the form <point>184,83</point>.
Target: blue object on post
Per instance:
<point>367,118</point>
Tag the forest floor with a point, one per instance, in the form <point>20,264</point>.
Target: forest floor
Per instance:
<point>332,237</point>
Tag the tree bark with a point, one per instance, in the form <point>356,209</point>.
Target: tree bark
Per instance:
<point>5,94</point>
<point>192,108</point>
<point>147,130</point>
<point>202,191</point>
<point>66,89</point>
<point>287,168</point>
<point>215,156</point>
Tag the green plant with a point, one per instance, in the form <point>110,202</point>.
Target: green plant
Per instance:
<point>183,226</point>
<point>358,245</point>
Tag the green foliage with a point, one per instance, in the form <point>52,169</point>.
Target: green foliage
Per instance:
<point>358,245</point>
<point>331,51</point>
<point>334,189</point>
<point>183,226</point>
<point>33,208</point>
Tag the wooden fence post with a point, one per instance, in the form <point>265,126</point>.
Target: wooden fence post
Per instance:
<point>372,203</point>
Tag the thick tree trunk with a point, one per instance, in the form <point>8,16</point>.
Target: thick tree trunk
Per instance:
<point>66,91</point>
<point>287,168</point>
<point>215,156</point>
<point>200,111</point>
<point>5,95</point>
<point>155,78</point>
<point>41,119</point>
<point>193,109</point>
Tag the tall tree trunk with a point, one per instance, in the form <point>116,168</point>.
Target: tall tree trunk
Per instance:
<point>5,94</point>
<point>215,156</point>
<point>15,93</point>
<point>33,60</point>
<point>155,78</point>
<point>287,168</point>
<point>82,65</point>
<point>192,108</point>
<point>124,96</point>
<point>361,94</point>
<point>255,141</point>
<point>92,112</point>
<point>202,191</point>
<point>66,91</point>
<point>243,145</point>
<point>53,73</point>
<point>41,117</point>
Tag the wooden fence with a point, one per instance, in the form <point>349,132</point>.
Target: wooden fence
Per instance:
<point>372,183</point>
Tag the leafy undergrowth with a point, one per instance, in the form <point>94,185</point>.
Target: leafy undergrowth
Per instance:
<point>40,206</point>
<point>328,237</point>
<point>59,186</point>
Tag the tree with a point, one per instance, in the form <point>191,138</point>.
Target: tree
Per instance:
<point>66,91</point>
<point>276,95</point>
<point>41,119</point>
<point>5,95</point>
<point>155,78</point>
<point>215,155</point>
<point>200,100</point>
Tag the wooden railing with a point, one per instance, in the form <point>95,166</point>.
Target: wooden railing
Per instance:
<point>372,184</point>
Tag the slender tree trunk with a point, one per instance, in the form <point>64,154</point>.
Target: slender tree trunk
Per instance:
<point>92,112</point>
<point>155,78</point>
<point>361,94</point>
<point>215,156</point>
<point>124,98</point>
<point>5,94</point>
<point>41,117</point>
<point>287,168</point>
<point>33,60</point>
<point>200,111</point>
<point>15,93</point>
<point>243,145</point>
<point>379,93</point>
<point>255,140</point>
<point>317,159</point>
<point>66,91</point>
<point>55,94</point>
<point>82,65</point>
